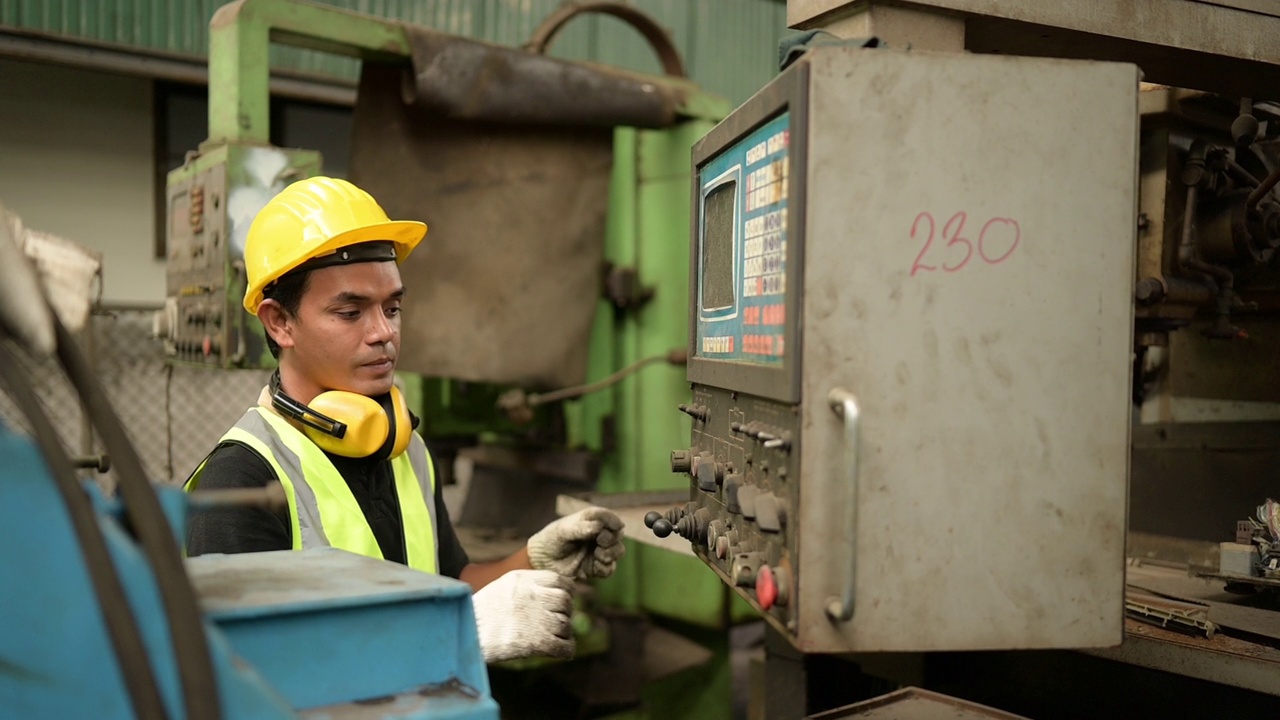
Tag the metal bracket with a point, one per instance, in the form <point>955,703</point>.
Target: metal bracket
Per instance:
<point>623,288</point>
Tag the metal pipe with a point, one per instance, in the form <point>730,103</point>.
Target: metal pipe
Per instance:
<point>1177,290</point>
<point>659,39</point>
<point>101,463</point>
<point>1241,175</point>
<point>1185,249</point>
<point>1259,192</point>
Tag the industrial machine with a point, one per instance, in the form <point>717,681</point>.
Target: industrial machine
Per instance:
<point>888,453</point>
<point>976,320</point>
<point>103,618</point>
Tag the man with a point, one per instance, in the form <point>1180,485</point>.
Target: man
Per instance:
<point>322,263</point>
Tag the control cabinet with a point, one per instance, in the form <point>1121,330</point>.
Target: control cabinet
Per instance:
<point>910,351</point>
<point>211,201</point>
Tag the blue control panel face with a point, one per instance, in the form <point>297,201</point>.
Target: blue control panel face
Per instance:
<point>742,249</point>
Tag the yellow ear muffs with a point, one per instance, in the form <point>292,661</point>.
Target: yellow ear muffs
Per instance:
<point>350,424</point>
<point>366,426</point>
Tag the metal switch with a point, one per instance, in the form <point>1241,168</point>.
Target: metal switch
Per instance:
<point>681,461</point>
<point>705,469</point>
<point>747,500</point>
<point>768,513</point>
<point>732,483</point>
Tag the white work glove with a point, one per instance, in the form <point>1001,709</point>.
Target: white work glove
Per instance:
<point>525,613</point>
<point>583,545</point>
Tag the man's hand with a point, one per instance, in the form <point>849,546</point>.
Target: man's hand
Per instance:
<point>583,545</point>
<point>525,613</point>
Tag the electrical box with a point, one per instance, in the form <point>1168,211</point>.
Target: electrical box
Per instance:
<point>911,350</point>
<point>211,201</point>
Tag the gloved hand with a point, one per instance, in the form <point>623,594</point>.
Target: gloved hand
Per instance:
<point>585,544</point>
<point>525,613</point>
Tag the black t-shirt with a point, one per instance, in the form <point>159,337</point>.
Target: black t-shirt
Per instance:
<point>239,530</point>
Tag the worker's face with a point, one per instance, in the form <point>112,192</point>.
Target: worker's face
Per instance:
<point>346,335</point>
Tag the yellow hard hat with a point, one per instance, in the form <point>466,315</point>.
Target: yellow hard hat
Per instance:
<point>313,218</point>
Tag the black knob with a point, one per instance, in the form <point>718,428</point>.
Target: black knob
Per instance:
<point>661,527</point>
<point>651,517</point>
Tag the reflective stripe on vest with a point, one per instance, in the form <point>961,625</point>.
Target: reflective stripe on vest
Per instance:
<point>322,510</point>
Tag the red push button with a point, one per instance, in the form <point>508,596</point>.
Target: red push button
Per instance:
<point>766,587</point>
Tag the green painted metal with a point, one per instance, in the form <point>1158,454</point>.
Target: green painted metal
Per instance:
<point>648,229</point>
<point>241,34</point>
<point>240,37</point>
<point>729,46</point>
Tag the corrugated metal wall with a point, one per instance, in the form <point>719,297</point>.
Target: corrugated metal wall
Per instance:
<point>729,46</point>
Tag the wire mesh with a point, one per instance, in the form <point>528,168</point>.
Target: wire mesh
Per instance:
<point>174,415</point>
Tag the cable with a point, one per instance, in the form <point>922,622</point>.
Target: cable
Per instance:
<point>579,390</point>
<point>168,422</point>
<point>186,624</point>
<point>520,406</point>
<point>121,625</point>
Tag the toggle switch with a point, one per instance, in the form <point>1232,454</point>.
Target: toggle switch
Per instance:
<point>708,473</point>
<point>769,513</point>
<point>697,412</point>
<point>732,483</point>
<point>781,442</point>
<point>747,495</point>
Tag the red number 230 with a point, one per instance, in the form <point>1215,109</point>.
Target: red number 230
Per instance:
<point>995,234</point>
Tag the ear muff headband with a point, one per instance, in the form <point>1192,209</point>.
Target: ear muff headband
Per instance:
<point>402,423</point>
<point>350,424</point>
<point>307,416</point>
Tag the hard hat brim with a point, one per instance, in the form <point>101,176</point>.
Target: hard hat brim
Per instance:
<point>404,234</point>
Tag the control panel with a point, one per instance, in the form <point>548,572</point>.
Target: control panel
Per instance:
<point>741,519</point>
<point>910,356</point>
<point>211,201</point>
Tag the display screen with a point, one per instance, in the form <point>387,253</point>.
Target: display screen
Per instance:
<point>743,249</point>
<point>717,246</point>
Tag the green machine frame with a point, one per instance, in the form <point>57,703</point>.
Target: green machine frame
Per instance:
<point>630,426</point>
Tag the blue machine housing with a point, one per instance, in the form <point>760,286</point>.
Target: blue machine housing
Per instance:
<point>292,634</point>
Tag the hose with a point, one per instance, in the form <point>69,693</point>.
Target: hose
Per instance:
<point>122,627</point>
<point>155,535</point>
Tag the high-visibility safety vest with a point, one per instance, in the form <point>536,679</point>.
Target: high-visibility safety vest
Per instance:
<point>322,510</point>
